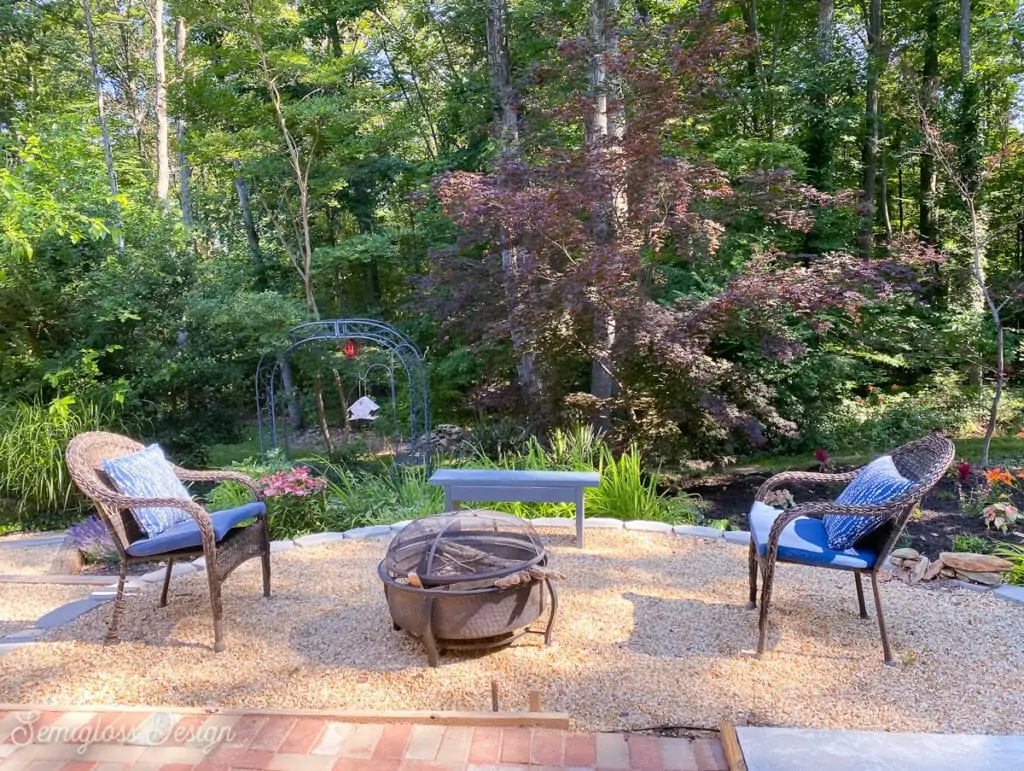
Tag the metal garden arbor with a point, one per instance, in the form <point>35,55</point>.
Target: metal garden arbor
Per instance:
<point>406,357</point>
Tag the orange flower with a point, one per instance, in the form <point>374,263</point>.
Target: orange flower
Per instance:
<point>1020,434</point>
<point>998,475</point>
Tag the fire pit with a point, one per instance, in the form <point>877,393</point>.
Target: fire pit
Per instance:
<point>468,580</point>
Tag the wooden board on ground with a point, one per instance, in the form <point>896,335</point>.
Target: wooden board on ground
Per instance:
<point>558,721</point>
<point>731,746</point>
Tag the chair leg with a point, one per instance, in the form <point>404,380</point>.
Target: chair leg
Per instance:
<point>860,595</point>
<point>215,604</point>
<point>111,636</point>
<point>881,621</point>
<point>167,582</point>
<point>766,597</point>
<point>265,558</point>
<point>752,569</point>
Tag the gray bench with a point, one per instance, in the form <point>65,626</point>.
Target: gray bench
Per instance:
<point>524,486</point>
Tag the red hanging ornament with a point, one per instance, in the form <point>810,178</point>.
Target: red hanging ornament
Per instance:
<point>352,348</point>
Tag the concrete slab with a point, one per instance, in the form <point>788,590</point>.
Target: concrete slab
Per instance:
<point>798,749</point>
<point>1010,593</point>
<point>66,613</point>
<point>280,546</point>
<point>21,543</point>
<point>316,539</point>
<point>605,523</point>
<point>741,537</point>
<point>648,526</point>
<point>566,522</point>
<point>698,530</point>
<point>370,531</point>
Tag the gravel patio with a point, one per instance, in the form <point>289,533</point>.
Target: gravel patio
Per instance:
<point>652,631</point>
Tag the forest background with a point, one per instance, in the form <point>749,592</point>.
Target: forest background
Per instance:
<point>710,230</point>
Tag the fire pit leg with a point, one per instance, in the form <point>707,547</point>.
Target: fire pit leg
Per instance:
<point>428,632</point>
<point>554,610</point>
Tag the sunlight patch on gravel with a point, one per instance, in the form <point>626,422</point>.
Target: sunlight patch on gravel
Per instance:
<point>652,630</point>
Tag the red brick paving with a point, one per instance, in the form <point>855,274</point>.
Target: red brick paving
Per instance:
<point>271,741</point>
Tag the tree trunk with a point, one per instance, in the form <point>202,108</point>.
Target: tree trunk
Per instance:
<point>251,236</point>
<point>819,145</point>
<point>184,171</point>
<point>928,222</point>
<point>163,166</point>
<point>339,386</point>
<point>506,121</point>
<point>292,397</point>
<point>321,414</point>
<point>883,182</point>
<point>108,154</point>
<point>869,152</point>
<point>605,132</point>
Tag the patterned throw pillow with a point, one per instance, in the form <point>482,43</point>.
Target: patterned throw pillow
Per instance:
<point>878,482</point>
<point>147,474</point>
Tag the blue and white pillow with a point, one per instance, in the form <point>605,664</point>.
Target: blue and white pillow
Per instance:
<point>147,474</point>
<point>878,482</point>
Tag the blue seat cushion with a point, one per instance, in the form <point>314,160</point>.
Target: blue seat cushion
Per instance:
<point>878,482</point>
<point>804,540</point>
<point>185,535</point>
<point>147,474</point>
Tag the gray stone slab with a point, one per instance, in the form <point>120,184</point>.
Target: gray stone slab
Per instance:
<point>66,613</point>
<point>370,531</point>
<point>401,525</point>
<point>22,636</point>
<point>316,539</point>
<point>22,543</point>
<point>737,536</point>
<point>105,594</point>
<point>279,546</point>
<point>603,523</point>
<point>648,526</point>
<point>970,586</point>
<point>553,522</point>
<point>1011,593</point>
<point>179,569</point>
<point>6,648</point>
<point>797,749</point>
<point>698,530</point>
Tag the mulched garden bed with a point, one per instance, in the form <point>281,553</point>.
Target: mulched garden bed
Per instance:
<point>729,495</point>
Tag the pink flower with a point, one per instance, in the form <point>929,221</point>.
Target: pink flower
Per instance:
<point>963,468</point>
<point>297,482</point>
<point>821,455</point>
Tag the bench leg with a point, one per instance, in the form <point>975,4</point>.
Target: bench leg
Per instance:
<point>579,518</point>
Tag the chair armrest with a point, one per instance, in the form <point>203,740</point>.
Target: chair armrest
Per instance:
<point>190,475</point>
<point>193,509</point>
<point>802,477</point>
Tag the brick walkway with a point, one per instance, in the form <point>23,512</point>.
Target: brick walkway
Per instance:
<point>165,741</point>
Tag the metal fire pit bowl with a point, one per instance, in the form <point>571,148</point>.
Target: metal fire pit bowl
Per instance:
<point>439,579</point>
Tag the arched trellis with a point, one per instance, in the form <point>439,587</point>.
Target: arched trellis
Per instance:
<point>405,354</point>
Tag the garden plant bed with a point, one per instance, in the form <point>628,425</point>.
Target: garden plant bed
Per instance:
<point>729,495</point>
<point>658,636</point>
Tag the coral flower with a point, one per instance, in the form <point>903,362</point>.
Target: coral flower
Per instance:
<point>998,475</point>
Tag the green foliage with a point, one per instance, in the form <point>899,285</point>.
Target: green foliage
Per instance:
<point>1015,554</point>
<point>972,543</point>
<point>33,437</point>
<point>359,498</point>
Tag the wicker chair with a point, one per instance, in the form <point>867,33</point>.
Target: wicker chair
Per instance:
<point>224,546</point>
<point>923,462</point>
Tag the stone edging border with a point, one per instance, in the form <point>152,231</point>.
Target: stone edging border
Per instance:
<point>76,608</point>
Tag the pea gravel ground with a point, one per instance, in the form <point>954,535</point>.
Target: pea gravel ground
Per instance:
<point>652,632</point>
<point>22,604</point>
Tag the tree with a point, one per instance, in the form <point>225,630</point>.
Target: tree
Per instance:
<point>163,163</point>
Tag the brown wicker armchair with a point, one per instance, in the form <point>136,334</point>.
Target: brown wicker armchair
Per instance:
<point>922,462</point>
<point>224,546</point>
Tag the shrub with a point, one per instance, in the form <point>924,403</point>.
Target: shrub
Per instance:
<point>93,540</point>
<point>296,502</point>
<point>33,437</point>
<point>356,499</point>
<point>971,543</point>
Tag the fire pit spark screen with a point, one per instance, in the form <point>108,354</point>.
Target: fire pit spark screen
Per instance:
<point>468,580</point>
